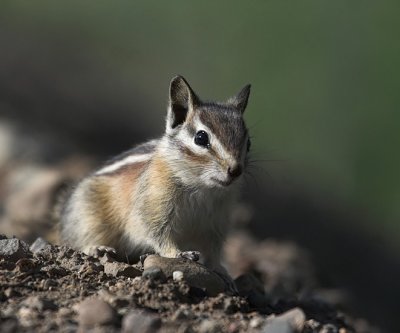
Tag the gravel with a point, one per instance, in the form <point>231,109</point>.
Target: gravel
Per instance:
<point>58,289</point>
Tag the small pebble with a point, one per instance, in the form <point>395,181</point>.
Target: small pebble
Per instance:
<point>26,316</point>
<point>256,322</point>
<point>209,326</point>
<point>140,322</point>
<point>288,322</point>
<point>295,317</point>
<point>121,269</point>
<point>313,324</point>
<point>177,275</point>
<point>94,311</point>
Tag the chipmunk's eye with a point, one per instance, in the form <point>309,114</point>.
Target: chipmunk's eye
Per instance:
<point>201,139</point>
<point>248,145</point>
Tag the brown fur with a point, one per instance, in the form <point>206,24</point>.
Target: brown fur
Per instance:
<point>160,190</point>
<point>111,197</point>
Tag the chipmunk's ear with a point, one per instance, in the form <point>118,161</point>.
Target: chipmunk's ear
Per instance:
<point>240,100</point>
<point>182,99</point>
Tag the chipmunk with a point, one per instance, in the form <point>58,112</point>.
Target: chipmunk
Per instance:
<point>171,195</point>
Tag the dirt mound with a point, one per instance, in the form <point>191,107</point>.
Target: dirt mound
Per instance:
<point>48,288</point>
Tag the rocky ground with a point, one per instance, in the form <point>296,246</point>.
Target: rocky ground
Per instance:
<point>45,288</point>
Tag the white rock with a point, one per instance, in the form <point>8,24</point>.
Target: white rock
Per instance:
<point>177,276</point>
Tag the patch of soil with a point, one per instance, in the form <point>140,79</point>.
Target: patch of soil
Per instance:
<point>57,289</point>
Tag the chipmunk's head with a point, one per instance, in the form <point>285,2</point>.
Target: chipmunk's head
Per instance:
<point>207,142</point>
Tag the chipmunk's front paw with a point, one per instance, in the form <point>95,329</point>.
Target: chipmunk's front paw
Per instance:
<point>191,255</point>
<point>143,257</point>
<point>100,250</point>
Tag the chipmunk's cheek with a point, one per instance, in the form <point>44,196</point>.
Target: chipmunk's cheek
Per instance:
<point>207,175</point>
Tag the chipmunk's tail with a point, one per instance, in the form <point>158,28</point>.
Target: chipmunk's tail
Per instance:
<point>60,197</point>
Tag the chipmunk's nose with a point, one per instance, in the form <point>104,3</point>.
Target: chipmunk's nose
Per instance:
<point>235,171</point>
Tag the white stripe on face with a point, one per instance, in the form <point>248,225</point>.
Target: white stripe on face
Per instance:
<point>216,144</point>
<point>132,159</point>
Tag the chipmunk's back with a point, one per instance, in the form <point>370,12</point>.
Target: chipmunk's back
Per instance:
<point>133,158</point>
<point>99,209</point>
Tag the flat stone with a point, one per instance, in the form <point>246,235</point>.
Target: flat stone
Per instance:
<point>94,311</point>
<point>140,322</point>
<point>121,269</point>
<point>13,249</point>
<point>195,274</point>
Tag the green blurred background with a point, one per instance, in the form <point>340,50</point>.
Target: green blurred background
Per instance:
<point>324,109</point>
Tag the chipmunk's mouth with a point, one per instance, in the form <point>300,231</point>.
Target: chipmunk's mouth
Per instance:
<point>222,182</point>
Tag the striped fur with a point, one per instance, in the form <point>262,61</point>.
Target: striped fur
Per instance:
<point>167,195</point>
